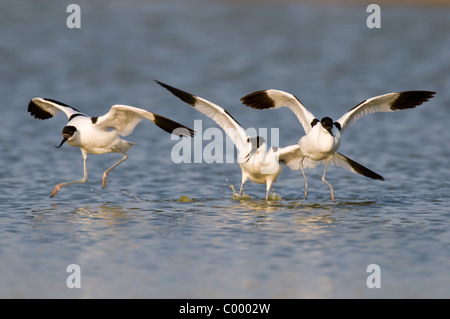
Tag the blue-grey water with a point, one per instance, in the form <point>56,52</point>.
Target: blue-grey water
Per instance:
<point>136,239</point>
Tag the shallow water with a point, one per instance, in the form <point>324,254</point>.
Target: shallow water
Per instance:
<point>137,239</point>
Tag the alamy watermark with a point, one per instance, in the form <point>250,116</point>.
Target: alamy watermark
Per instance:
<point>74,19</point>
<point>374,279</point>
<point>74,279</point>
<point>374,19</point>
<point>220,147</point>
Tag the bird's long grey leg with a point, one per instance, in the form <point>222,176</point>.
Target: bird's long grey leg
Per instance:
<point>244,179</point>
<point>105,174</point>
<point>304,177</point>
<point>81,181</point>
<point>268,186</point>
<point>325,181</point>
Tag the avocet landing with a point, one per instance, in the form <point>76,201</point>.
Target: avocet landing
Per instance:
<point>323,138</point>
<point>100,135</point>
<point>257,163</point>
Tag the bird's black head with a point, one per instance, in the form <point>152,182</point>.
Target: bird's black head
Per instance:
<point>327,123</point>
<point>67,133</point>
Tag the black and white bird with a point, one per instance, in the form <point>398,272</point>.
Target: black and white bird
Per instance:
<point>323,138</point>
<point>259,164</point>
<point>100,135</point>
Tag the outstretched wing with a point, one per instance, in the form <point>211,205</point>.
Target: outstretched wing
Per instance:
<point>343,161</point>
<point>272,99</point>
<point>385,103</point>
<point>124,119</point>
<point>42,108</point>
<point>231,127</point>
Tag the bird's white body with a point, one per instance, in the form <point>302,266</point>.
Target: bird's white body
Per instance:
<point>319,144</point>
<point>262,167</point>
<point>95,140</point>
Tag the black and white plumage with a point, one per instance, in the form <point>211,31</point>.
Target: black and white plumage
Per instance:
<point>323,137</point>
<point>259,164</point>
<point>100,135</point>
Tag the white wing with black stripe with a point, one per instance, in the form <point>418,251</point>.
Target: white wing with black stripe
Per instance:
<point>43,108</point>
<point>385,103</point>
<point>224,119</point>
<point>124,119</point>
<point>273,99</point>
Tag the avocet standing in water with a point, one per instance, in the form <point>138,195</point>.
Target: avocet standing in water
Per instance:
<point>323,138</point>
<point>100,135</point>
<point>257,163</point>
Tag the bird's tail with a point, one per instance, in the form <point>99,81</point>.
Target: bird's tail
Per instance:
<point>345,162</point>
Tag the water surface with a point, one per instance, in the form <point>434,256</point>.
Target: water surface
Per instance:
<point>136,239</point>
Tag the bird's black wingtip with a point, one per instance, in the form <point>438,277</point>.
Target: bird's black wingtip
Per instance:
<point>37,111</point>
<point>173,127</point>
<point>39,107</point>
<point>411,99</point>
<point>258,100</point>
<point>182,95</point>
